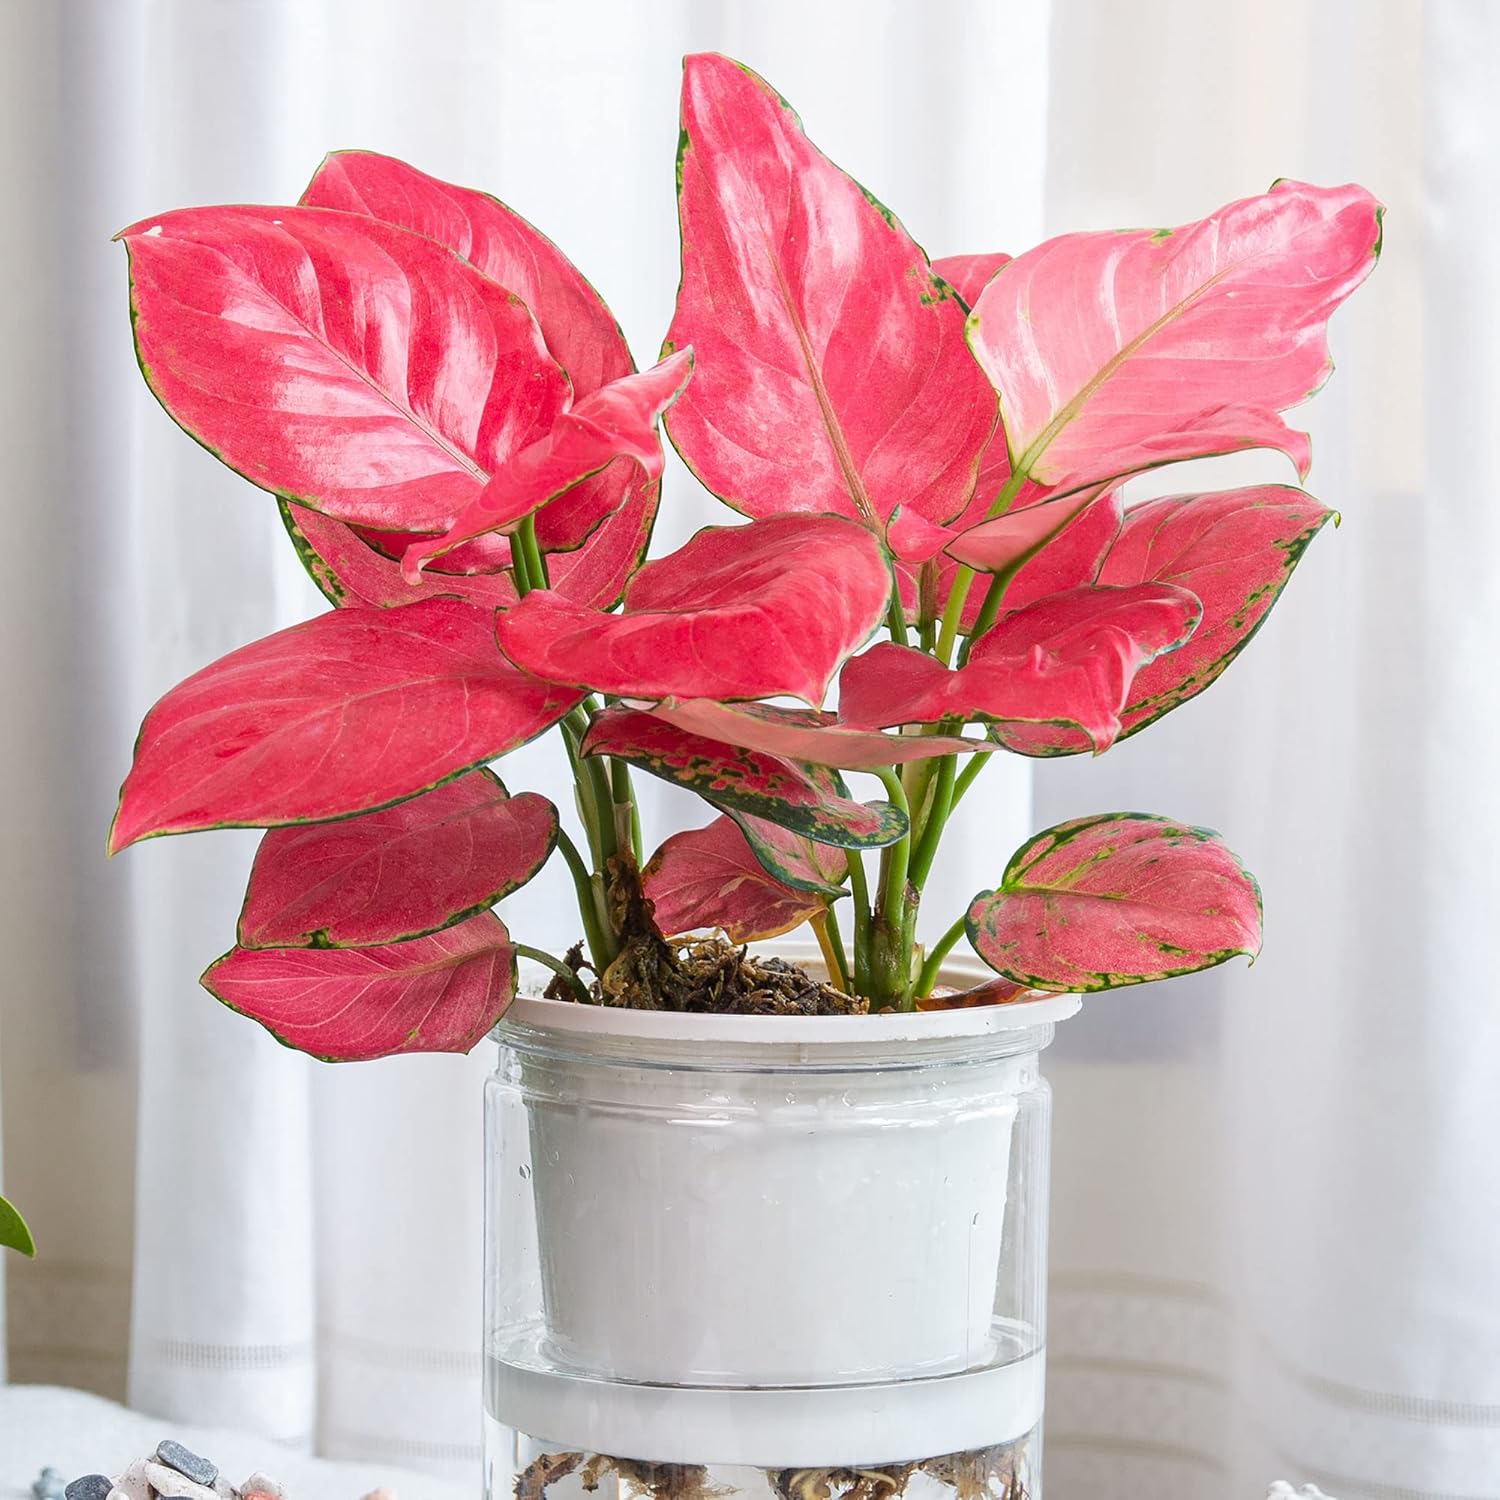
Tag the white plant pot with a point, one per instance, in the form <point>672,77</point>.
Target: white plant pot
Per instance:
<point>773,1241</point>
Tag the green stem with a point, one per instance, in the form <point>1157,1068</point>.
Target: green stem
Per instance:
<point>558,967</point>
<point>890,951</point>
<point>600,938</point>
<point>524,542</point>
<point>934,962</point>
<point>826,926</point>
<point>895,618</point>
<point>859,891</point>
<point>963,580</point>
<point>967,777</point>
<point>937,817</point>
<point>895,857</point>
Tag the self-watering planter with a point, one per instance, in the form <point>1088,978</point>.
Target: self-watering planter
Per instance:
<point>762,1246</point>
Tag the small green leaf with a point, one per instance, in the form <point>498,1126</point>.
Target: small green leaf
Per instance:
<point>14,1235</point>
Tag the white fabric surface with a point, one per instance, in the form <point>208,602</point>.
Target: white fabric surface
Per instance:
<point>1276,1194</point>
<point>76,1433</point>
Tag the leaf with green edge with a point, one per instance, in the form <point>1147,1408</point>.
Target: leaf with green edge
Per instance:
<point>810,800</point>
<point>338,361</point>
<point>712,877</point>
<point>1236,551</point>
<point>1116,899</point>
<point>440,993</point>
<point>347,712</point>
<point>399,873</point>
<point>832,370</point>
<point>1195,339</point>
<point>794,860</point>
<point>14,1232</point>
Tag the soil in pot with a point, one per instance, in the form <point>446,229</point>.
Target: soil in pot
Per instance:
<point>995,1473</point>
<point>705,974</point>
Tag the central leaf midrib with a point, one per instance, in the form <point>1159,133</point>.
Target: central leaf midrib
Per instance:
<point>836,438</point>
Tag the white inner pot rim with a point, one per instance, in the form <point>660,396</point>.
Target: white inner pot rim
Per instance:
<point>902,1027</point>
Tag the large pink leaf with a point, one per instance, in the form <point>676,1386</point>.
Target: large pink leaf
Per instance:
<point>398,873</point>
<point>440,993</point>
<point>343,363</point>
<point>616,421</point>
<point>1050,679</point>
<point>968,274</point>
<point>811,800</point>
<point>346,712</point>
<point>738,612</point>
<point>579,329</point>
<point>1235,551</point>
<point>1193,342</point>
<point>792,859</point>
<point>831,373</point>
<point>820,739</point>
<point>1117,899</point>
<point>710,877</point>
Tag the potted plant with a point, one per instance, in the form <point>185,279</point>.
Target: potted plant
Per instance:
<point>758,1218</point>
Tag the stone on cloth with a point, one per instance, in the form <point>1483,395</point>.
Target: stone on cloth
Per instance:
<point>186,1462</point>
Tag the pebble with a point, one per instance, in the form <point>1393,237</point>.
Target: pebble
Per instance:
<point>185,1461</point>
<point>48,1485</point>
<point>263,1485</point>
<point>133,1484</point>
<point>90,1487</point>
<point>174,1485</point>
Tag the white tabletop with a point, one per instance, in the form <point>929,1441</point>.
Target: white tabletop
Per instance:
<point>76,1434</point>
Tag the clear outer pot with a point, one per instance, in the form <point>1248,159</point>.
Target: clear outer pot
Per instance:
<point>736,1250</point>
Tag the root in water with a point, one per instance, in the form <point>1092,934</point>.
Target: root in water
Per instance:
<point>996,1473</point>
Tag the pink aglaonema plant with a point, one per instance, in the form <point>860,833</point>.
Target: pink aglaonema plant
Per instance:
<point>469,465</point>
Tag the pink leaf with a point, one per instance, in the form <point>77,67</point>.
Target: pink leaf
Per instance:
<point>793,860</point>
<point>831,373</point>
<point>820,739</point>
<point>398,873</point>
<point>738,612</point>
<point>1050,679</point>
<point>1195,339</point>
<point>710,877</point>
<point>341,362</point>
<point>350,711</point>
<point>1117,899</point>
<point>810,800</point>
<point>991,992</point>
<point>968,274</point>
<point>1005,544</point>
<point>1236,552</point>
<point>440,993</point>
<point>616,421</point>
<point>580,331</point>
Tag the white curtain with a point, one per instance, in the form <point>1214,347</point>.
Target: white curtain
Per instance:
<point>1277,1198</point>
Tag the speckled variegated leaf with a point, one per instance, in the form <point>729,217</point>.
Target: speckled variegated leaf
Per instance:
<point>792,858</point>
<point>398,873</point>
<point>711,877</point>
<point>1116,899</point>
<point>991,992</point>
<point>440,993</point>
<point>811,800</point>
<point>1236,551</point>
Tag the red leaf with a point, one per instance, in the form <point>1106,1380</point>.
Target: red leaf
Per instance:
<point>347,712</point>
<point>831,373</point>
<point>710,877</point>
<point>581,332</point>
<point>1235,551</point>
<point>1118,899</point>
<point>617,421</point>
<point>968,274</point>
<point>810,800</point>
<point>1050,679</point>
<point>792,859</point>
<point>338,361</point>
<point>738,612</point>
<point>820,739</point>
<point>991,992</point>
<point>440,993</point>
<point>1195,339</point>
<point>399,873</point>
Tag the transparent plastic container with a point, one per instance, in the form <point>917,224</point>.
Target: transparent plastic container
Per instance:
<point>774,1256</point>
